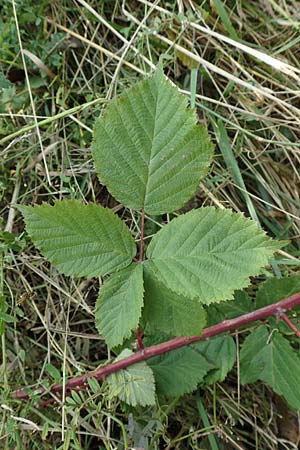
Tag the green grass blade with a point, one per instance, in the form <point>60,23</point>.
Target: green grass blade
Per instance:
<point>204,418</point>
<point>232,165</point>
<point>194,76</point>
<point>225,19</point>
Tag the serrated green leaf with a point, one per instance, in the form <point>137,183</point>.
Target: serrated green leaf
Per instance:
<point>241,304</point>
<point>253,346</point>
<point>149,139</point>
<point>209,253</point>
<point>134,385</point>
<point>275,289</point>
<point>119,305</point>
<point>171,313</point>
<point>220,351</point>
<point>80,240</point>
<point>179,372</point>
<point>271,359</point>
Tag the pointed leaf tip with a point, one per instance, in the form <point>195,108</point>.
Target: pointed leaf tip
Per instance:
<point>209,253</point>
<point>149,139</point>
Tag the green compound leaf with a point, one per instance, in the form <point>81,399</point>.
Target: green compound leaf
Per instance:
<point>271,359</point>
<point>134,385</point>
<point>179,372</point>
<point>80,240</point>
<point>169,312</point>
<point>220,351</point>
<point>275,289</point>
<point>147,148</point>
<point>119,305</point>
<point>209,253</point>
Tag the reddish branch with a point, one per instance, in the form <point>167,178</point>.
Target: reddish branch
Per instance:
<point>139,338</point>
<point>277,309</point>
<point>293,327</point>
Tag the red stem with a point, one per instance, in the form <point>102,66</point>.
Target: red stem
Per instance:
<point>139,338</point>
<point>284,317</point>
<point>276,309</point>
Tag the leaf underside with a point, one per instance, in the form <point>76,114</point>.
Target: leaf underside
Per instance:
<point>209,253</point>
<point>119,305</point>
<point>134,385</point>
<point>148,139</point>
<point>80,240</point>
<point>169,312</point>
<point>271,359</point>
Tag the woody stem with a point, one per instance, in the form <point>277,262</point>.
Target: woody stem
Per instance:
<point>277,309</point>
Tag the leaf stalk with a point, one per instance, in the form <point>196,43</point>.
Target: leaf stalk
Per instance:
<point>290,324</point>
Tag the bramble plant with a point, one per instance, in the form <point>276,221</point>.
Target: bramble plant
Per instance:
<point>151,155</point>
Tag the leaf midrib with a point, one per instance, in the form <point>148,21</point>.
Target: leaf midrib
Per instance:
<point>202,256</point>
<point>150,158</point>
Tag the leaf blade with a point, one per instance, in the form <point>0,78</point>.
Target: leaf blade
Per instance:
<point>150,139</point>
<point>80,240</point>
<point>168,312</point>
<point>275,289</point>
<point>209,253</point>
<point>179,372</point>
<point>271,359</point>
<point>221,351</point>
<point>134,385</point>
<point>119,304</point>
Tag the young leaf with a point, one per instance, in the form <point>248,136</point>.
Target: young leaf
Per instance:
<point>209,253</point>
<point>53,372</point>
<point>271,359</point>
<point>80,240</point>
<point>169,312</point>
<point>134,385</point>
<point>179,372</point>
<point>119,305</point>
<point>275,289</point>
<point>149,139</point>
<point>220,351</point>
